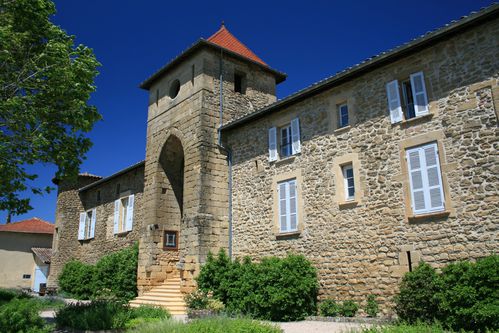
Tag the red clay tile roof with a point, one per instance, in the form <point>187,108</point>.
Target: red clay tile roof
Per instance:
<point>33,225</point>
<point>227,40</point>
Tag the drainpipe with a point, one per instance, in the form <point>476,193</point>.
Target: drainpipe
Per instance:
<point>227,150</point>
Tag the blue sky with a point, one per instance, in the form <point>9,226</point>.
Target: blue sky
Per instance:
<point>308,40</point>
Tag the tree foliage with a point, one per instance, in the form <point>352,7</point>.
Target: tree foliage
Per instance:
<point>45,85</point>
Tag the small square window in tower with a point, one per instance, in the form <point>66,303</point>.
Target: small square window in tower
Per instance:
<point>240,83</point>
<point>170,240</point>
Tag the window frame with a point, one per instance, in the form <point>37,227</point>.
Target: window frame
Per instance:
<point>175,233</point>
<point>437,136</point>
<point>426,187</point>
<point>279,233</point>
<point>289,145</point>
<point>90,217</point>
<point>345,168</point>
<point>341,107</point>
<point>288,199</point>
<point>401,91</point>
<point>122,213</point>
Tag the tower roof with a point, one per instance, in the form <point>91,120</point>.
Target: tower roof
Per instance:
<point>220,40</point>
<point>225,39</point>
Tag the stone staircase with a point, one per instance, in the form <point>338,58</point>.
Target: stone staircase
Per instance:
<point>166,295</point>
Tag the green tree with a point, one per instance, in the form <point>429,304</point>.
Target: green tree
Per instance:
<point>45,85</point>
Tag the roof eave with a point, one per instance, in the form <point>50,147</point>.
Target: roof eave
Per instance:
<point>280,77</point>
<point>114,175</point>
<point>378,61</point>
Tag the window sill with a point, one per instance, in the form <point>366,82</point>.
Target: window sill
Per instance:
<point>121,233</point>
<point>288,235</point>
<point>415,120</point>
<point>288,159</point>
<point>429,216</point>
<point>170,248</point>
<point>348,204</point>
<point>342,129</point>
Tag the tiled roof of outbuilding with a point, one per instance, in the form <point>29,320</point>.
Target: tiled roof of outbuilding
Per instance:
<point>33,225</point>
<point>43,253</point>
<point>429,38</point>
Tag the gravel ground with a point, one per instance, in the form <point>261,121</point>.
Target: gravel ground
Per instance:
<point>321,327</point>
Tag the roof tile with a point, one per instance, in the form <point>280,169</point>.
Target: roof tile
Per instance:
<point>33,225</point>
<point>228,41</point>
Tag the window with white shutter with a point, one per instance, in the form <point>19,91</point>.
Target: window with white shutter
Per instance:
<point>81,226</point>
<point>86,227</point>
<point>288,206</point>
<point>284,141</point>
<point>407,99</point>
<point>425,179</point>
<point>272,144</point>
<point>394,106</point>
<point>123,214</point>
<point>419,94</point>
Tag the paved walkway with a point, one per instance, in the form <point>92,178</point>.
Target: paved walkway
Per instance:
<point>308,326</point>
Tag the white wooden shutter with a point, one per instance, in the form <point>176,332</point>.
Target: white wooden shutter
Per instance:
<point>292,199</point>
<point>129,213</point>
<point>81,226</point>
<point>435,195</point>
<point>295,136</point>
<point>425,179</point>
<point>272,144</point>
<point>116,216</point>
<point>419,94</point>
<point>392,92</point>
<point>416,181</point>
<point>92,223</point>
<point>283,194</point>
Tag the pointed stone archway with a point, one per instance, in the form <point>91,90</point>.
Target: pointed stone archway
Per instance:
<point>160,244</point>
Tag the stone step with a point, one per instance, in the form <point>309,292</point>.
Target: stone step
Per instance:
<point>176,300</point>
<point>167,295</point>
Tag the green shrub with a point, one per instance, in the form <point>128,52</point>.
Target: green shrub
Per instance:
<point>465,296</point>
<point>329,308</point>
<point>197,300</point>
<point>117,273</point>
<point>407,328</point>
<point>150,312</point>
<point>416,299</point>
<point>113,277</point>
<point>469,296</point>
<point>104,315</point>
<point>77,280</point>
<point>372,307</point>
<point>348,308</point>
<point>93,316</point>
<point>211,325</point>
<point>21,315</point>
<point>274,289</point>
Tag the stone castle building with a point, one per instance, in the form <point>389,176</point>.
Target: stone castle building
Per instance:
<point>366,173</point>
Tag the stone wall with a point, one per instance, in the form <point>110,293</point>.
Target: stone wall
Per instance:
<point>363,248</point>
<point>71,202</point>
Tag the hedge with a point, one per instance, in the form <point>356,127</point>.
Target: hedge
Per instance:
<point>279,289</point>
<point>464,296</point>
<point>114,276</point>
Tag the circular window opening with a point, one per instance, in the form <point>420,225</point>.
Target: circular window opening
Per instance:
<point>174,88</point>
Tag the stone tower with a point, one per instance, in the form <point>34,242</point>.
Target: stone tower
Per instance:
<point>186,193</point>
